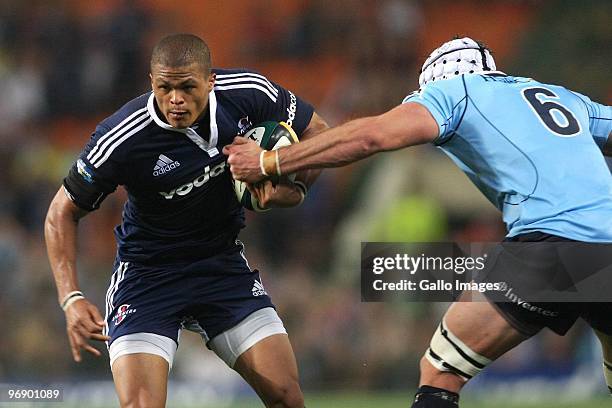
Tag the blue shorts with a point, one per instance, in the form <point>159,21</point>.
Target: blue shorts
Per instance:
<point>209,296</point>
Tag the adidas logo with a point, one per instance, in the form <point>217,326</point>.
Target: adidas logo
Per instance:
<point>258,289</point>
<point>164,164</point>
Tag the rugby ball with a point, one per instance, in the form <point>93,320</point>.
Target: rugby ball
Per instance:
<point>269,136</point>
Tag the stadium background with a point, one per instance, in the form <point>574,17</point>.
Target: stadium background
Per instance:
<point>66,64</point>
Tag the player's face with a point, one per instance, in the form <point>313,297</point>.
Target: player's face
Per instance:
<point>181,93</point>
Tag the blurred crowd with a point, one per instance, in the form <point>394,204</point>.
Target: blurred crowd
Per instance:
<point>64,68</point>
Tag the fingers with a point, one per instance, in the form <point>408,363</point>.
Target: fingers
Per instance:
<point>99,337</point>
<point>238,140</point>
<point>243,159</point>
<point>84,323</point>
<point>74,347</point>
<point>96,316</point>
<point>253,190</point>
<point>89,326</point>
<point>263,191</point>
<point>282,195</point>
<point>92,350</point>
<point>258,192</point>
<point>78,341</point>
<point>269,187</point>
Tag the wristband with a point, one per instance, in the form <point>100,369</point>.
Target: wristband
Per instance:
<point>277,160</point>
<point>70,298</point>
<point>261,163</point>
<point>302,186</point>
<point>269,162</point>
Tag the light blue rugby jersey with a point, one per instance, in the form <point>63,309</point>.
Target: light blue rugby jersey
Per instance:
<point>534,150</point>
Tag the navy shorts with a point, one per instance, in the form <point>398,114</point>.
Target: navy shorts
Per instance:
<point>531,261</point>
<point>209,296</point>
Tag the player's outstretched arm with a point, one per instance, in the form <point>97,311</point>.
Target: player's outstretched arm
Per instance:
<point>405,125</point>
<point>83,320</point>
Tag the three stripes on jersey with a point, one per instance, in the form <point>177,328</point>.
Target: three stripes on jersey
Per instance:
<point>142,118</point>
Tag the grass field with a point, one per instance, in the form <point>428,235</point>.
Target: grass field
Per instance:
<point>353,400</point>
<point>357,400</point>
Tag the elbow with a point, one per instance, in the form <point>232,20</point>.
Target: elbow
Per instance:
<point>51,220</point>
<point>61,211</point>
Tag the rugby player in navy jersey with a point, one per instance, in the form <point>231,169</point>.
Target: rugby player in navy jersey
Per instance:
<point>535,151</point>
<point>179,263</point>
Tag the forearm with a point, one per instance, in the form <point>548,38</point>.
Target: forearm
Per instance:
<point>405,125</point>
<point>61,238</point>
<point>335,147</point>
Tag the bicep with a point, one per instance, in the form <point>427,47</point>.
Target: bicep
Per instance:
<point>405,125</point>
<point>62,208</point>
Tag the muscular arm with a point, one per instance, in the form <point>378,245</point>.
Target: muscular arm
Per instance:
<point>60,235</point>
<point>83,320</point>
<point>405,125</point>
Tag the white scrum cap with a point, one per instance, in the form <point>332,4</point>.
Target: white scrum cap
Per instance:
<point>456,57</point>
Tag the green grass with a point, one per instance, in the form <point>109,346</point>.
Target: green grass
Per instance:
<point>364,400</point>
<point>356,400</point>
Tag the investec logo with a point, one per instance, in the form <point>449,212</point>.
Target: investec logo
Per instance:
<point>164,164</point>
<point>198,182</point>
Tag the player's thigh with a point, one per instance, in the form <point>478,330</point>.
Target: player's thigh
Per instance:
<point>270,368</point>
<point>481,327</point>
<point>141,380</point>
<point>258,348</point>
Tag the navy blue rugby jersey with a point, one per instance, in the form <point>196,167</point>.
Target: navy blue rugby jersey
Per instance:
<point>181,203</point>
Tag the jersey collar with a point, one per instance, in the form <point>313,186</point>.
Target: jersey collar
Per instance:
<point>493,73</point>
<point>209,147</point>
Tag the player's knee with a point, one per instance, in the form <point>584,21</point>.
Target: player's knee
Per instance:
<point>430,375</point>
<point>141,399</point>
<point>288,395</point>
<point>448,357</point>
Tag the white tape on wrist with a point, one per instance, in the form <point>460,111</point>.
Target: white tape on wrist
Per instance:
<point>278,170</point>
<point>261,163</point>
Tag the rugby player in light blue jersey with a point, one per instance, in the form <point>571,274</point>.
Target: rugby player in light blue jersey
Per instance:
<point>533,149</point>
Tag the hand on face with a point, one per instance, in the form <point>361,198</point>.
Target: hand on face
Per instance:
<point>244,160</point>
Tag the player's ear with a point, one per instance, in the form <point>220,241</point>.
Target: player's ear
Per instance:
<point>211,81</point>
